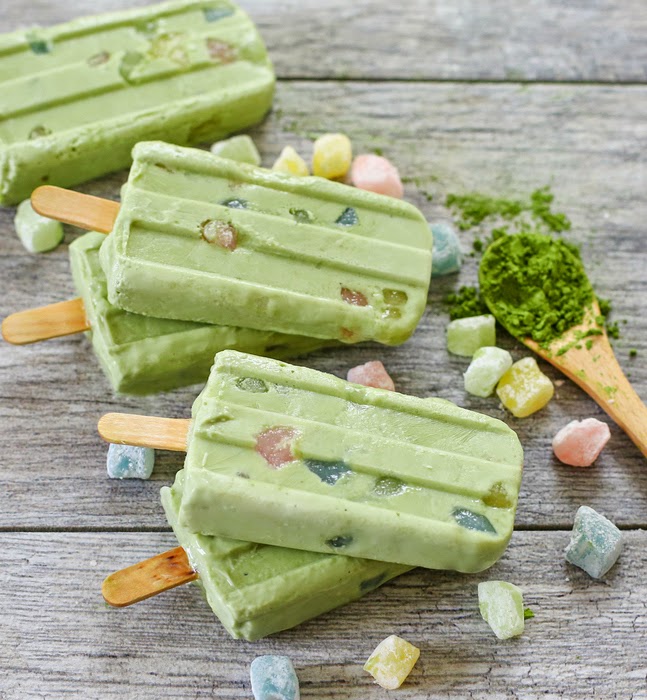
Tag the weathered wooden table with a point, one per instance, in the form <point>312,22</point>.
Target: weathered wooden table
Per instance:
<point>462,95</point>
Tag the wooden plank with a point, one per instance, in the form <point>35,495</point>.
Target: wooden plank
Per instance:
<point>450,138</point>
<point>600,40</point>
<point>587,639</point>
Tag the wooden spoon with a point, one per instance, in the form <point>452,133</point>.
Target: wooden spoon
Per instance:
<point>589,361</point>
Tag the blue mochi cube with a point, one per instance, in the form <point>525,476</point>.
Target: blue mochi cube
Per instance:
<point>446,256</point>
<point>274,678</point>
<point>595,543</point>
<point>128,462</point>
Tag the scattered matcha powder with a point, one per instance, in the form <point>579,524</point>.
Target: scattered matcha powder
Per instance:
<point>613,330</point>
<point>535,285</point>
<point>540,203</point>
<point>474,208</point>
<point>605,306</point>
<point>465,303</point>
<point>528,614</point>
<point>633,352</point>
<point>580,335</point>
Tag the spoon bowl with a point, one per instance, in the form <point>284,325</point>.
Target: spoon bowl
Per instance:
<point>582,352</point>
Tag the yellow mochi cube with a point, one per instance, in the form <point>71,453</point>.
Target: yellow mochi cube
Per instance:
<point>524,388</point>
<point>392,661</point>
<point>332,156</point>
<point>291,163</point>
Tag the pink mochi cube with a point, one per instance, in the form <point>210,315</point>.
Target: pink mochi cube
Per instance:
<point>275,445</point>
<point>376,174</point>
<point>371,374</point>
<point>579,443</point>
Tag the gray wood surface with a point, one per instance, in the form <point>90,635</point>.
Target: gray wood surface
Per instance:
<point>547,40</point>
<point>64,525</point>
<point>585,641</point>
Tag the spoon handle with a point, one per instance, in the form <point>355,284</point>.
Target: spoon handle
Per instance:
<point>596,370</point>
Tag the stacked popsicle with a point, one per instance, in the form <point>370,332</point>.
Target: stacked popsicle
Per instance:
<point>249,230</point>
<point>326,474</point>
<point>78,97</point>
<point>259,256</point>
<point>142,354</point>
<point>201,241</point>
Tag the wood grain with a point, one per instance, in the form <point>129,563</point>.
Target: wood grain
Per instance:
<point>509,40</point>
<point>586,640</point>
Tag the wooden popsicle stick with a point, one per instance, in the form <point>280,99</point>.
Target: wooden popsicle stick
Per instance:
<point>82,210</point>
<point>145,431</point>
<point>53,321</point>
<point>148,578</point>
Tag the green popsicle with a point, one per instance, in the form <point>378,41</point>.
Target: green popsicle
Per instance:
<point>76,97</point>
<point>206,239</point>
<point>293,457</point>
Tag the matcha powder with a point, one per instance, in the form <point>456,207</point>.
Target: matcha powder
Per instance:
<point>534,285</point>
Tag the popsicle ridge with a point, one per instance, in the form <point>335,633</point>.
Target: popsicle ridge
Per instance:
<point>142,354</point>
<point>450,471</point>
<point>312,244</point>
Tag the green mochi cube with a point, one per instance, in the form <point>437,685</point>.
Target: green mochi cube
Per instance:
<point>466,335</point>
<point>37,233</point>
<point>488,365</point>
<point>501,606</point>
<point>239,148</point>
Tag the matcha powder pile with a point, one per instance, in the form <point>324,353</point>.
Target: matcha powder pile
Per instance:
<point>534,285</point>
